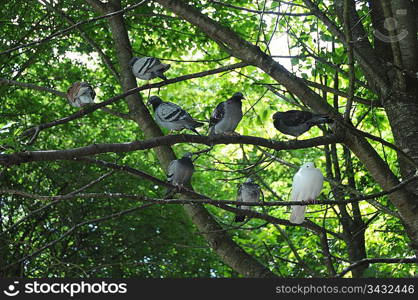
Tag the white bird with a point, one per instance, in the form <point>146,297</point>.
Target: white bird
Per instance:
<point>80,94</point>
<point>247,192</point>
<point>307,185</point>
<point>147,68</point>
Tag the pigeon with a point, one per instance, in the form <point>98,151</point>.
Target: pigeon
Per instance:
<point>297,122</point>
<point>172,116</point>
<point>247,192</point>
<point>226,116</point>
<point>80,94</point>
<point>148,68</point>
<point>307,185</point>
<point>179,172</point>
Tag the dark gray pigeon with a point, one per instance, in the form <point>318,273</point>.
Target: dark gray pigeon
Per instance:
<point>80,94</point>
<point>180,172</point>
<point>147,68</point>
<point>297,122</point>
<point>226,116</point>
<point>172,116</point>
<point>247,192</point>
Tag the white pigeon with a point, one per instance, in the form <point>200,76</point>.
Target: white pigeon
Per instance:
<point>147,68</point>
<point>247,192</point>
<point>307,185</point>
<point>172,116</point>
<point>226,115</point>
<point>80,94</point>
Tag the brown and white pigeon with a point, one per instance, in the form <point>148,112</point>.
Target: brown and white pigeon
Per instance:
<point>306,186</point>
<point>247,192</point>
<point>179,172</point>
<point>172,116</point>
<point>80,94</point>
<point>226,116</point>
<point>147,68</point>
<point>297,122</point>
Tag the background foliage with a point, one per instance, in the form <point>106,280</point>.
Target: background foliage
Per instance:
<point>161,241</point>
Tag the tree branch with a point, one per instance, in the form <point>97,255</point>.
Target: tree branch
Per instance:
<point>61,32</point>
<point>169,140</point>
<point>378,260</point>
<point>96,106</point>
<point>87,38</point>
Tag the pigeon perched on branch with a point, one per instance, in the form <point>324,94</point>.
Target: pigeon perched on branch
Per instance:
<point>226,116</point>
<point>297,122</point>
<point>147,68</point>
<point>247,192</point>
<point>179,172</point>
<point>307,185</point>
<point>172,116</point>
<point>80,94</point>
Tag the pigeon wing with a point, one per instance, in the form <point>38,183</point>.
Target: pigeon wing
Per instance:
<point>142,66</point>
<point>217,114</point>
<point>296,117</point>
<point>298,188</point>
<point>239,217</point>
<point>171,170</point>
<point>170,112</point>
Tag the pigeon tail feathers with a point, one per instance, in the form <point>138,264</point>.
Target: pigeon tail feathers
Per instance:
<point>320,119</point>
<point>298,214</point>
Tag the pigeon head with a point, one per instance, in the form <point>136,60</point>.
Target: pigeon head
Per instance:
<point>277,115</point>
<point>132,61</point>
<point>187,155</point>
<point>154,101</point>
<point>238,96</point>
<point>308,165</point>
<point>249,180</point>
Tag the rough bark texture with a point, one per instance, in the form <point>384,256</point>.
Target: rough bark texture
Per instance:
<point>228,250</point>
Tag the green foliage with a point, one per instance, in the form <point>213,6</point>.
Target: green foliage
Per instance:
<point>161,241</point>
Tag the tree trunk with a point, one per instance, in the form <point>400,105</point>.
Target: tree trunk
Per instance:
<point>229,252</point>
<point>238,47</point>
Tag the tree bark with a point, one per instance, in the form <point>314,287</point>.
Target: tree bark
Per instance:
<point>221,243</point>
<point>238,47</point>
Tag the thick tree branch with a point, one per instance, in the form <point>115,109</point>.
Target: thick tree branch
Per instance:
<point>169,140</point>
<point>91,108</point>
<point>5,81</point>
<point>367,261</point>
<point>228,251</point>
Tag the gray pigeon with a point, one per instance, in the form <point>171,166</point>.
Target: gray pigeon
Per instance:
<point>297,122</point>
<point>226,116</point>
<point>180,172</point>
<point>80,94</point>
<point>247,192</point>
<point>172,116</point>
<point>148,68</point>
